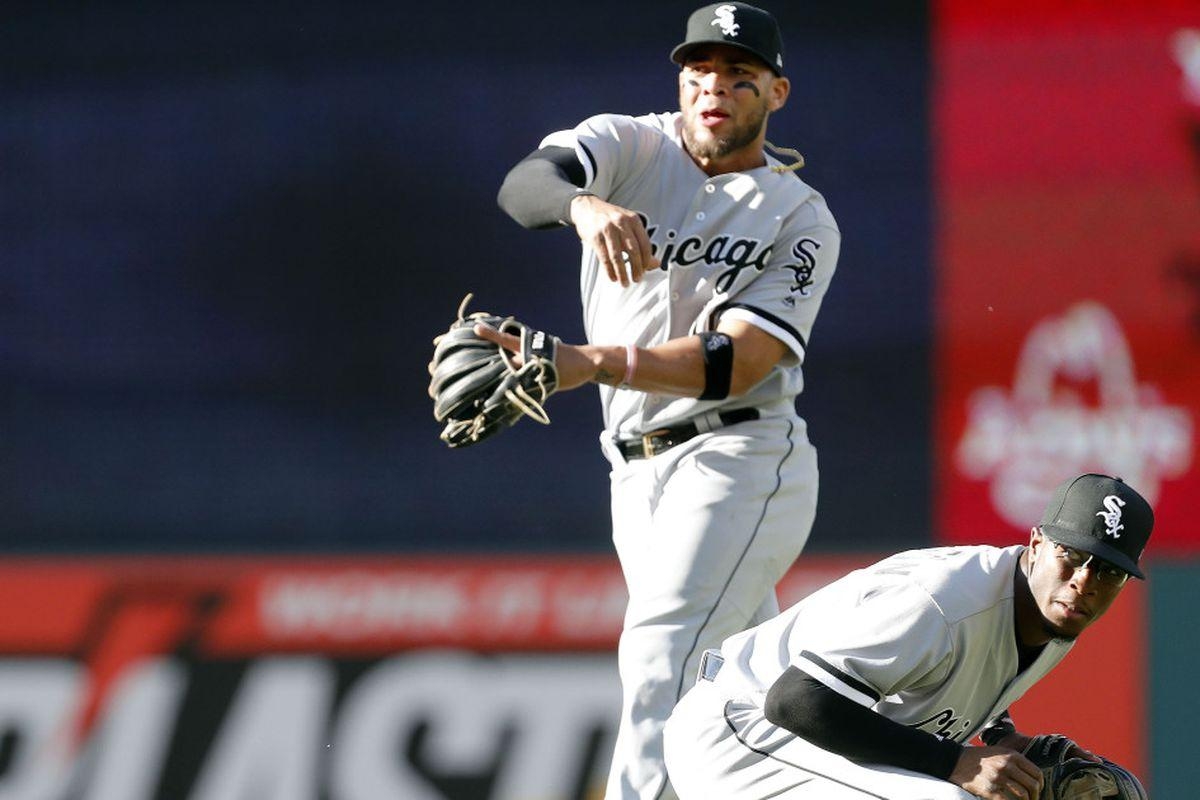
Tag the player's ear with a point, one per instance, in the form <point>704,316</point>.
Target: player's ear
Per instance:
<point>777,93</point>
<point>1036,539</point>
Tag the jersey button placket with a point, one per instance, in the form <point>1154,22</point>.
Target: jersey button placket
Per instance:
<point>710,188</point>
<point>674,276</point>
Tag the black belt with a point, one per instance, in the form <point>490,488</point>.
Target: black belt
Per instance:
<point>663,439</point>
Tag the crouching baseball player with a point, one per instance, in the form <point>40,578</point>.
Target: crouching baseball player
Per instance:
<point>872,686</point>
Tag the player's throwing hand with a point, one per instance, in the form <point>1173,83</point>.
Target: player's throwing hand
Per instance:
<point>997,773</point>
<point>617,235</point>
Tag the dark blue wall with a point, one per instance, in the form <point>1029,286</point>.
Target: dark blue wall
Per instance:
<point>229,232</point>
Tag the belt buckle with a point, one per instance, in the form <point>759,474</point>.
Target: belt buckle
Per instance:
<point>647,445</point>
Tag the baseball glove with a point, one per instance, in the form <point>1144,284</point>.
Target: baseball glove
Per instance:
<point>479,388</point>
<point>1077,778</point>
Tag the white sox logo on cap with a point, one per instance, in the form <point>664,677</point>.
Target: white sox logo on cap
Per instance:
<point>1117,533</point>
<point>723,16</point>
<point>735,24</point>
<point>1112,515</point>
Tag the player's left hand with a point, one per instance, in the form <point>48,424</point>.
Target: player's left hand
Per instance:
<point>575,366</point>
<point>478,388</point>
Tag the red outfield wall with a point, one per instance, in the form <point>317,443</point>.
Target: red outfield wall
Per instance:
<point>331,678</point>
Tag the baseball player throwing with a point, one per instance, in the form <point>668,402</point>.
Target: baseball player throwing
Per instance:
<point>870,687</point>
<point>705,260</point>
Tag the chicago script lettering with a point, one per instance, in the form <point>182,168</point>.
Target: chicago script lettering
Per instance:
<point>944,723</point>
<point>735,253</point>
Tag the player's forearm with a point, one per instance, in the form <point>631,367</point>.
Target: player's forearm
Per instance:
<point>823,717</point>
<point>673,368</point>
<point>680,367</point>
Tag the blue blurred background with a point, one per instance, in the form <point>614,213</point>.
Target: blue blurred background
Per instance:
<point>229,232</point>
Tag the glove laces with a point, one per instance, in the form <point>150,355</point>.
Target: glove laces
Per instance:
<point>543,374</point>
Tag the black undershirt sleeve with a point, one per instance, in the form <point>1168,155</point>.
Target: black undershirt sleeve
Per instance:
<point>816,713</point>
<point>538,191</point>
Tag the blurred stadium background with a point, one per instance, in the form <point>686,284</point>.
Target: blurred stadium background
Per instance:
<point>236,560</point>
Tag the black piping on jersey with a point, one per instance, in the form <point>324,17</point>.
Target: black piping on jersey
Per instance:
<point>591,159</point>
<point>765,315</point>
<point>769,755</point>
<point>849,680</point>
<point>737,565</point>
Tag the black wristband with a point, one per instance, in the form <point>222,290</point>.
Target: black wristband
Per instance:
<point>717,348</point>
<point>999,728</point>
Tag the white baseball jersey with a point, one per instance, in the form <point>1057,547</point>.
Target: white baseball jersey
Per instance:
<point>759,246</point>
<point>705,529</point>
<point>925,638</point>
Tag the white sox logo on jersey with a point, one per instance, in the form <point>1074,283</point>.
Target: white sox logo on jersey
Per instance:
<point>723,16</point>
<point>808,262</point>
<point>1112,515</point>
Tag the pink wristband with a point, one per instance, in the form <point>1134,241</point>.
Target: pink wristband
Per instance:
<point>631,358</point>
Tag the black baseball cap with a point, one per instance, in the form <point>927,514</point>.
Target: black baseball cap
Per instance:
<point>1101,515</point>
<point>737,25</point>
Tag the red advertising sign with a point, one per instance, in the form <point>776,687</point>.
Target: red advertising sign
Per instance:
<point>1068,278</point>
<point>231,607</point>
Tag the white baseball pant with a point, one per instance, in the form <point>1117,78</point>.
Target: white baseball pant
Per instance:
<point>703,531</point>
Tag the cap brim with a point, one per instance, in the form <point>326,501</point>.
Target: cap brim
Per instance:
<point>680,52</point>
<point>1090,544</point>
